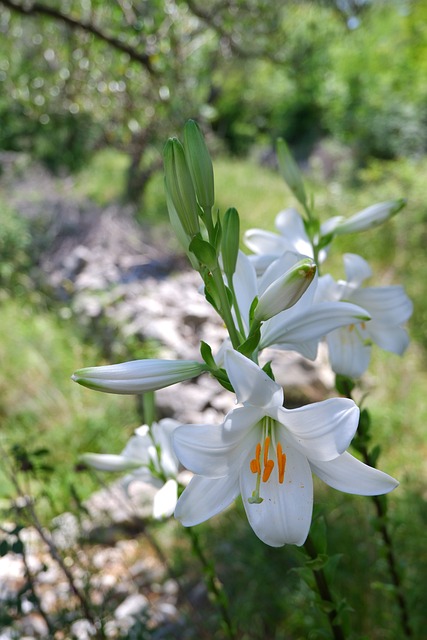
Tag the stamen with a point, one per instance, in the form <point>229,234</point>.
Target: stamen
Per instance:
<point>268,468</point>
<point>281,462</point>
<point>255,463</point>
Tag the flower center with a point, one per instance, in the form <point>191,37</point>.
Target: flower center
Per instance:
<point>262,465</point>
<point>366,341</point>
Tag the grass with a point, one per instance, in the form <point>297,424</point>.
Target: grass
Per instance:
<point>41,408</point>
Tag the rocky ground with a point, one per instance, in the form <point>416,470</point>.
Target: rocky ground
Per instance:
<point>125,280</point>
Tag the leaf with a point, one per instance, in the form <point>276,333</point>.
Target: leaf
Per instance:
<point>248,346</point>
<point>344,385</point>
<point>268,370</point>
<point>204,252</point>
<point>206,353</point>
<point>317,563</point>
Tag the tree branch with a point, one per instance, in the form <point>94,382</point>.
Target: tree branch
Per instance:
<point>37,8</point>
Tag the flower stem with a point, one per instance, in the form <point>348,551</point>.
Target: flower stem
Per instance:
<point>325,592</point>
<point>225,307</point>
<point>380,503</point>
<point>213,583</point>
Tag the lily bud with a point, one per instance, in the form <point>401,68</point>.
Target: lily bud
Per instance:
<point>200,164</point>
<point>109,462</point>
<point>180,187</point>
<point>284,292</point>
<point>290,171</point>
<point>230,241</point>
<point>181,235</point>
<point>138,376</point>
<point>370,217</point>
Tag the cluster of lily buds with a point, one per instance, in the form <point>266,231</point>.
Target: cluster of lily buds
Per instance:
<point>274,298</point>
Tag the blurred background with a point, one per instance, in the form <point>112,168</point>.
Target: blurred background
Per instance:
<point>89,93</point>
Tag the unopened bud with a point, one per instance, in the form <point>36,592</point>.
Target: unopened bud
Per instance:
<point>138,376</point>
<point>370,217</point>
<point>284,292</point>
<point>230,241</point>
<point>180,186</point>
<point>200,164</point>
<point>290,171</point>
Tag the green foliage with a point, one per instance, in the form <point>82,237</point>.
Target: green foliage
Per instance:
<point>374,94</point>
<point>14,244</point>
<point>47,420</point>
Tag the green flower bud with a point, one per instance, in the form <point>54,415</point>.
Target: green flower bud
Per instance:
<point>290,171</point>
<point>200,164</point>
<point>180,233</point>
<point>230,241</point>
<point>180,186</point>
<point>284,292</point>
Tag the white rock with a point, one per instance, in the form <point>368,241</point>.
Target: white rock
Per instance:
<point>133,605</point>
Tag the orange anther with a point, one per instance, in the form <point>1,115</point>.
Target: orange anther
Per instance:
<point>255,463</point>
<point>268,468</point>
<point>281,462</point>
<point>255,466</point>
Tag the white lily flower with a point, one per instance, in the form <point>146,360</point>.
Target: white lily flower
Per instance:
<point>138,376</point>
<point>268,246</point>
<point>150,457</point>
<point>301,327</point>
<point>267,454</point>
<point>389,307</point>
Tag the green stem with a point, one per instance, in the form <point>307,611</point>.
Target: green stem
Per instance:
<point>325,592</point>
<point>213,583</point>
<point>380,503</point>
<point>209,223</point>
<point>225,307</point>
<point>236,306</point>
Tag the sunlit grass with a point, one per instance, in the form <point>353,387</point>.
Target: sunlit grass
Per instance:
<point>42,408</point>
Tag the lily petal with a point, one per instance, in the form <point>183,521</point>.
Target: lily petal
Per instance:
<point>165,500</point>
<point>204,450</point>
<point>245,285</point>
<point>356,268</point>
<point>348,354</point>
<point>322,430</point>
<point>290,224</point>
<point>347,473</point>
<point>389,338</point>
<point>264,242</point>
<point>284,515</point>
<point>316,321</point>
<point>251,384</point>
<point>389,305</point>
<point>162,434</point>
<point>205,497</point>
<point>239,422</point>
<point>138,446</point>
